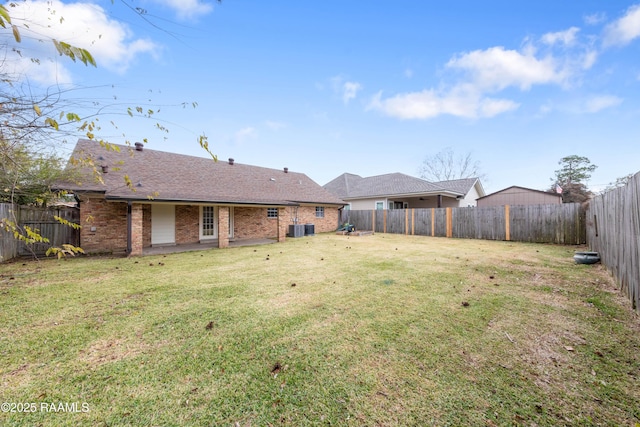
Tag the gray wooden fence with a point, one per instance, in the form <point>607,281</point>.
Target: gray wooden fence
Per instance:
<point>613,230</point>
<point>41,219</point>
<point>561,224</point>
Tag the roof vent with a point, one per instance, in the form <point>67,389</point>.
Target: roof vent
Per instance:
<point>286,170</point>
<point>139,146</point>
<point>105,168</point>
<point>231,161</point>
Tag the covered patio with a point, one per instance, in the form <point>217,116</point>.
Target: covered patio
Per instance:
<point>235,243</point>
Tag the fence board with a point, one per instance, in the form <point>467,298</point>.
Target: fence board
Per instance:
<point>613,230</point>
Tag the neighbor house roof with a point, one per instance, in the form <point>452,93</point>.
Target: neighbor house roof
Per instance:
<point>178,177</point>
<point>462,186</point>
<point>350,186</point>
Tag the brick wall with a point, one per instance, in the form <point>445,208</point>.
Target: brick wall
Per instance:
<point>307,215</point>
<point>251,223</point>
<point>136,229</point>
<point>104,225</point>
<point>187,224</point>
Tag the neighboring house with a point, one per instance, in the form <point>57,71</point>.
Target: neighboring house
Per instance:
<point>175,199</point>
<point>515,195</point>
<point>400,191</point>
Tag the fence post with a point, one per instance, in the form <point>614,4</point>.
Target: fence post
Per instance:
<point>413,222</point>
<point>449,223</point>
<point>507,223</point>
<point>384,221</point>
<point>373,221</point>
<point>433,222</point>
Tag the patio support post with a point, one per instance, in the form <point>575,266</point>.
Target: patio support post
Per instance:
<point>134,229</point>
<point>223,227</point>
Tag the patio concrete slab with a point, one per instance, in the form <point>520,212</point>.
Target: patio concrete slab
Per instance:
<point>170,249</point>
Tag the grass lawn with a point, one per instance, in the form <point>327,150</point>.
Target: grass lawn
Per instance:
<point>327,330</point>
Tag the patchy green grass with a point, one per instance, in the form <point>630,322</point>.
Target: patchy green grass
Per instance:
<point>325,330</point>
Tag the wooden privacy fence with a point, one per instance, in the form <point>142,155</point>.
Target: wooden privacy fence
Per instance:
<point>41,219</point>
<point>613,230</point>
<point>561,224</point>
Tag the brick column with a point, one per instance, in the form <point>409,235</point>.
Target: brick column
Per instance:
<point>282,225</point>
<point>136,229</point>
<point>223,227</point>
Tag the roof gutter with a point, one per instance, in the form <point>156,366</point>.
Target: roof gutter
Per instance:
<point>198,202</point>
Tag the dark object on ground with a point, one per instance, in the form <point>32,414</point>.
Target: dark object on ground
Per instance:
<point>347,227</point>
<point>586,257</point>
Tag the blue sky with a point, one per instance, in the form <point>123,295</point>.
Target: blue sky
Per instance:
<point>366,87</point>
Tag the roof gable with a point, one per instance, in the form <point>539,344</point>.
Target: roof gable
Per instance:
<point>177,177</point>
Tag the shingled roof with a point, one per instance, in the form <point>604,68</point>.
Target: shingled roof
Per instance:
<point>458,185</point>
<point>350,186</point>
<point>181,178</point>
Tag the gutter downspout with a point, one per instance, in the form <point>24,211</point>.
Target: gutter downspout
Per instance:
<point>129,227</point>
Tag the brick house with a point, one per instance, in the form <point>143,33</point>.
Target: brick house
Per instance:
<point>135,198</point>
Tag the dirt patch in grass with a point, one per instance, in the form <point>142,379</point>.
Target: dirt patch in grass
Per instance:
<point>112,350</point>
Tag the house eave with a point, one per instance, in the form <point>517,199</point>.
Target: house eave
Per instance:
<point>198,201</point>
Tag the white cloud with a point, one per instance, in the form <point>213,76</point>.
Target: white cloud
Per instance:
<point>187,9</point>
<point>595,18</point>
<point>497,68</point>
<point>625,29</point>
<point>84,25</point>
<point>245,134</point>
<point>598,103</point>
<point>275,126</point>
<point>346,89</point>
<point>567,37</point>
<point>490,107</point>
<point>350,91</point>
<point>588,59</point>
<point>460,102</point>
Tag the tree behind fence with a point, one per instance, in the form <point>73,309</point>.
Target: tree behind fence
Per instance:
<point>613,229</point>
<point>41,219</point>
<point>560,224</point>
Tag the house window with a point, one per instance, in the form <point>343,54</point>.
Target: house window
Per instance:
<point>380,205</point>
<point>208,221</point>
<point>272,212</point>
<point>319,211</point>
